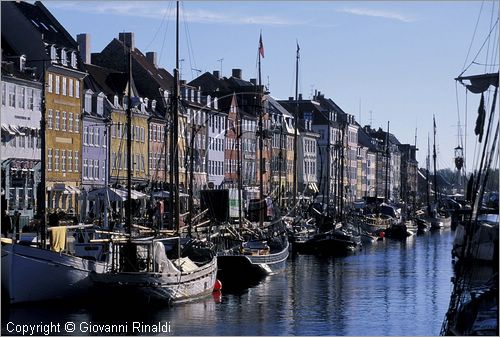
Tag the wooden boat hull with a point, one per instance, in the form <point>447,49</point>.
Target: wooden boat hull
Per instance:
<point>32,274</point>
<point>157,287</point>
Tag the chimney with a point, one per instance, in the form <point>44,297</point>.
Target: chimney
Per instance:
<point>253,81</point>
<point>182,82</point>
<point>151,56</point>
<point>237,73</point>
<point>84,47</point>
<point>290,98</point>
<point>300,97</point>
<point>216,74</point>
<point>128,39</point>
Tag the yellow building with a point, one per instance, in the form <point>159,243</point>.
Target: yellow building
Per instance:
<point>63,92</point>
<point>140,146</point>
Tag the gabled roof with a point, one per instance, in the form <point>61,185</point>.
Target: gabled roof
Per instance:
<point>45,23</point>
<point>109,81</point>
<point>30,29</point>
<point>148,78</point>
<point>208,83</point>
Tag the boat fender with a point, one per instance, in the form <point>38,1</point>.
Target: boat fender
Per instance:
<point>217,286</point>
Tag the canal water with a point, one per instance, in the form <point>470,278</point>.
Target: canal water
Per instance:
<point>389,288</point>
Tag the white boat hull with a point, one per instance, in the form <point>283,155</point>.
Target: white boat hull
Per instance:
<point>32,274</point>
<point>160,287</point>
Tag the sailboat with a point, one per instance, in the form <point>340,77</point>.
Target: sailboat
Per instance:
<point>257,250</point>
<point>473,308</point>
<point>333,236</point>
<point>33,271</point>
<point>155,268</point>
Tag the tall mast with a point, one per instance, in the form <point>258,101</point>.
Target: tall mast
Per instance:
<point>428,168</point>
<point>42,200</point>
<point>342,158</point>
<point>387,163</point>
<point>261,144</point>
<point>434,160</point>
<point>238,144</point>
<point>175,127</point>
<point>128,208</point>
<point>296,120</point>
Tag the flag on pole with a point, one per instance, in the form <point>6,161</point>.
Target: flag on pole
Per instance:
<point>261,46</point>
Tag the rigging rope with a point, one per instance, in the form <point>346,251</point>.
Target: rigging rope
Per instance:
<point>473,36</point>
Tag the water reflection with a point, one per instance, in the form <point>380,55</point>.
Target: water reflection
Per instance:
<point>389,288</point>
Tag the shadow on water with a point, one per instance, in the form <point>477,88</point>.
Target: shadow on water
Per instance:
<point>388,288</point>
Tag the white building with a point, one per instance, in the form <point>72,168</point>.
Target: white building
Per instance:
<point>20,141</point>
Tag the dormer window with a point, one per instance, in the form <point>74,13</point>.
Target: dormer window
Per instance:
<point>73,59</point>
<point>100,106</point>
<point>146,101</point>
<point>64,59</point>
<point>22,62</point>
<point>209,100</point>
<point>115,101</point>
<point>153,104</point>
<point>216,104</point>
<point>53,54</point>
<point>88,102</point>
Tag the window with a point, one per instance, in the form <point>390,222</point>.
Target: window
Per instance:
<point>63,125</point>
<point>56,160</point>
<point>64,86</point>
<point>76,161</point>
<point>86,135</point>
<point>97,136</point>
<point>21,95</point>
<point>12,95</point>
<point>49,80</point>
<point>63,160</point>
<point>88,102</point>
<point>53,55</point>
<point>30,98</point>
<point>70,122</point>
<point>49,159</point>
<point>64,58</point>
<point>58,122</point>
<point>85,169</point>
<point>96,169</point>
<point>4,94</point>
<point>73,59</point>
<point>70,160</point>
<point>77,89</point>
<point>50,119</point>
<point>91,136</point>
<point>103,169</point>
<point>100,106</point>
<point>113,160</point>
<point>70,87</point>
<point>77,123</point>
<point>58,84</point>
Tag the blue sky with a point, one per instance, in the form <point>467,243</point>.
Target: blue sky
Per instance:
<point>397,59</point>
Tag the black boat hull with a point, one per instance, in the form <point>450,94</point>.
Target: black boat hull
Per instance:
<point>241,271</point>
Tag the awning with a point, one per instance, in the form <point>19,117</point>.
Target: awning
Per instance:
<point>6,128</point>
<point>16,129</point>
<point>72,189</point>
<point>113,194</point>
<point>312,187</point>
<point>64,189</point>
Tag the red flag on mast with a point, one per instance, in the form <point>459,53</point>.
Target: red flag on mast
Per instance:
<point>261,46</point>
